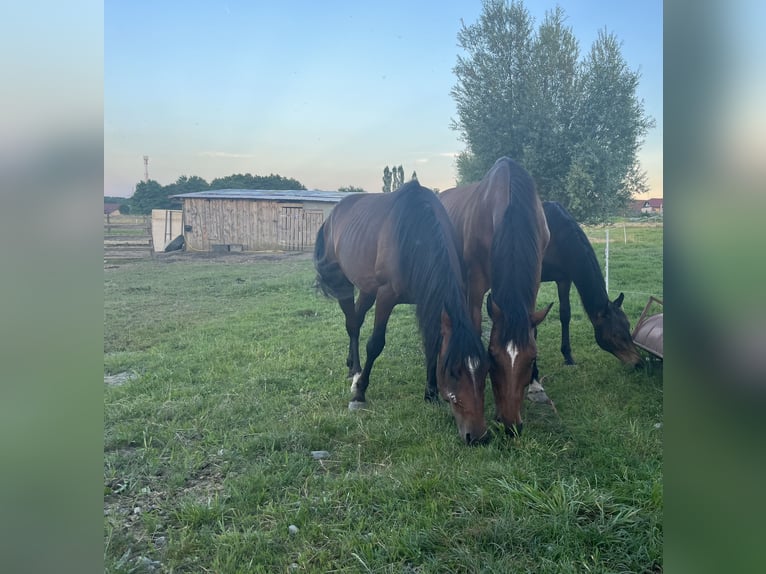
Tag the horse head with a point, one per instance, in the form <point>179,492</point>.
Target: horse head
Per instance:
<point>513,365</point>
<point>460,379</point>
<point>612,330</point>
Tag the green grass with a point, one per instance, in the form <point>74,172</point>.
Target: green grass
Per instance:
<point>241,374</point>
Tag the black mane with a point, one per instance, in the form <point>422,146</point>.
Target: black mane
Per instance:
<point>577,257</point>
<point>430,263</point>
<point>515,257</point>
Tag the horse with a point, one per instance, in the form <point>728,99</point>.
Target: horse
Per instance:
<point>503,233</point>
<point>400,247</point>
<point>570,258</point>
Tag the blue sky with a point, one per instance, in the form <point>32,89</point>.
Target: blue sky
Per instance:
<point>325,92</point>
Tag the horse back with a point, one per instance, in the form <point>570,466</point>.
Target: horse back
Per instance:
<point>356,228</point>
<point>564,233</point>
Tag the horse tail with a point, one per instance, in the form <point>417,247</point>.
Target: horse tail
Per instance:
<point>330,279</point>
<point>430,265</point>
<point>516,256</point>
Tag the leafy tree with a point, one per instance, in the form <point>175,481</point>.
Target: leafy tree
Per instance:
<point>492,92</point>
<point>150,195</point>
<point>576,125</point>
<point>351,189</point>
<point>193,184</point>
<point>398,173</point>
<point>393,178</point>
<point>248,181</point>
<point>387,180</point>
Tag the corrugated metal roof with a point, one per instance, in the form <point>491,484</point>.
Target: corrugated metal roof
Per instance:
<point>269,194</point>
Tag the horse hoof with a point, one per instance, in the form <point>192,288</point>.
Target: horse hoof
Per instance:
<point>356,405</point>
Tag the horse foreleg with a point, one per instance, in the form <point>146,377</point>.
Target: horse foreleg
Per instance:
<point>385,304</point>
<point>432,391</point>
<point>565,316</point>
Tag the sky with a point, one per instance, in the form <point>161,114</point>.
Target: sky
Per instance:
<point>328,93</point>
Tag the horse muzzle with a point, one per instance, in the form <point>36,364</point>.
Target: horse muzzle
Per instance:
<point>514,430</point>
<point>475,439</point>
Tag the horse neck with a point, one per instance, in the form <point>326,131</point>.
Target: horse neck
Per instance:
<point>576,256</point>
<point>587,277</point>
<point>435,281</point>
<point>516,255</point>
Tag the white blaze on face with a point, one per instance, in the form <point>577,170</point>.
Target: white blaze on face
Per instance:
<point>353,382</point>
<point>473,364</point>
<point>512,351</point>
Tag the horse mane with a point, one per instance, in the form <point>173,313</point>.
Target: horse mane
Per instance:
<point>578,257</point>
<point>431,265</point>
<point>516,257</point>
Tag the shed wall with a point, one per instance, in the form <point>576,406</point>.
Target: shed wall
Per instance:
<point>256,225</point>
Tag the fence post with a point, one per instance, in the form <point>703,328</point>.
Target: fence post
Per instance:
<point>606,258</point>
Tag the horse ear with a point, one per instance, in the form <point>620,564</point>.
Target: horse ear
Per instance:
<point>446,325</point>
<point>618,301</point>
<point>492,309</point>
<point>538,316</point>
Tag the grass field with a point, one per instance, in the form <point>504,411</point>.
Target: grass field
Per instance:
<point>239,374</point>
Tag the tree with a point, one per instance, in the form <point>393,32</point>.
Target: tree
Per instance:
<point>492,90</point>
<point>393,178</point>
<point>193,184</point>
<point>247,181</point>
<point>149,195</point>
<point>351,189</point>
<point>387,179</point>
<point>575,125</point>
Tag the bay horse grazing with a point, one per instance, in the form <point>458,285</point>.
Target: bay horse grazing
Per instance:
<point>502,229</point>
<point>570,258</point>
<point>397,248</point>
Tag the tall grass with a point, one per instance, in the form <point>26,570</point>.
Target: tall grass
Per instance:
<point>239,374</point>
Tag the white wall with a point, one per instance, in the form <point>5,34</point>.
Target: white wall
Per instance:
<point>167,224</point>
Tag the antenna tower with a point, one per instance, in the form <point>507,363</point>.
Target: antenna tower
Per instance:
<point>146,168</point>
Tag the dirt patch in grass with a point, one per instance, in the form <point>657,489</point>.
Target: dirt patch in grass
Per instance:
<point>245,257</point>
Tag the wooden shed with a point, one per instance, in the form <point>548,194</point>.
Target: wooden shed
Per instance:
<point>254,220</point>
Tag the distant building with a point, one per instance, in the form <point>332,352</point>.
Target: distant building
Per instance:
<point>638,207</point>
<point>110,208</point>
<point>652,206</point>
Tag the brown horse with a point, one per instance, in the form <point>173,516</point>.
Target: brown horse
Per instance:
<point>502,229</point>
<point>570,258</point>
<point>396,248</point>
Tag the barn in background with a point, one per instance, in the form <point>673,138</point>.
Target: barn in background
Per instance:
<point>254,220</point>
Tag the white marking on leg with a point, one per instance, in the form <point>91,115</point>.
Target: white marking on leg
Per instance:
<point>512,351</point>
<point>354,381</point>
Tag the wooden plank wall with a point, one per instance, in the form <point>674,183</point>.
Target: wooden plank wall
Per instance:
<point>256,225</point>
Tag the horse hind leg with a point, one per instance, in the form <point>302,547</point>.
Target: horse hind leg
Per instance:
<point>352,328</point>
<point>385,304</point>
<point>355,314</point>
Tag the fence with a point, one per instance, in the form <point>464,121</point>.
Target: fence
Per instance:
<point>127,238</point>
